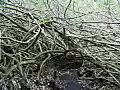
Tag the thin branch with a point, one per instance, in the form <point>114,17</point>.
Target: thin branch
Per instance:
<point>22,28</point>
<point>13,40</point>
<point>101,22</point>
<point>67,8</point>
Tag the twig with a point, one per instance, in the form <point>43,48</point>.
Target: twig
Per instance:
<point>42,65</point>
<point>14,40</point>
<point>22,28</point>
<point>67,8</point>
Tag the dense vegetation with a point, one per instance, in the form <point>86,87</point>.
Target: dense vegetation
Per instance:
<point>43,41</point>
